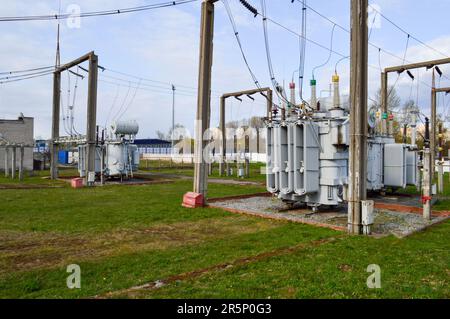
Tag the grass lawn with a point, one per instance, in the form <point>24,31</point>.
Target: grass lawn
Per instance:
<point>187,170</point>
<point>443,200</point>
<point>124,236</point>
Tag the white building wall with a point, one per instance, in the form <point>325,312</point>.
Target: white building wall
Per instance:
<point>18,131</point>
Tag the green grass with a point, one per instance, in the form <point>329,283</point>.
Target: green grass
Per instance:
<point>187,170</point>
<point>123,236</point>
<point>417,267</point>
<point>413,191</point>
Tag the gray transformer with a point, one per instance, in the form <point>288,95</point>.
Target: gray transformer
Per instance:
<point>116,156</point>
<point>307,159</point>
<point>121,159</point>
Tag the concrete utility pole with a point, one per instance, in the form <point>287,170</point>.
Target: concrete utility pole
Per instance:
<point>426,182</point>
<point>22,152</point>
<point>6,161</point>
<point>204,97</point>
<point>440,161</point>
<point>268,94</point>
<point>173,115</point>
<point>384,103</point>
<point>55,124</point>
<point>433,147</point>
<point>91,118</point>
<point>358,115</point>
<point>13,162</point>
<point>433,125</point>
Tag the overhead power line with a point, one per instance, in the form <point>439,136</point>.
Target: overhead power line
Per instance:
<point>380,49</point>
<point>408,33</point>
<point>95,13</point>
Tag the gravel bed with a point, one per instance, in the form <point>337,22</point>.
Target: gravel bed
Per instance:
<point>385,222</point>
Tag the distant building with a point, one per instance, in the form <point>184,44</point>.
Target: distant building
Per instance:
<point>153,146</point>
<point>18,131</point>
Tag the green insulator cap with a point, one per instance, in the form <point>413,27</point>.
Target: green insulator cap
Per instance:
<point>313,82</point>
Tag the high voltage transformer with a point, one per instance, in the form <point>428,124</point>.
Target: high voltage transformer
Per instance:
<point>308,153</point>
<point>116,155</point>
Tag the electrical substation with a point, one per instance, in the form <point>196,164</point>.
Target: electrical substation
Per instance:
<point>240,179</point>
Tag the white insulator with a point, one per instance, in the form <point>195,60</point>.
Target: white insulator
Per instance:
<point>125,127</point>
<point>313,95</point>
<point>292,87</point>
<point>336,95</point>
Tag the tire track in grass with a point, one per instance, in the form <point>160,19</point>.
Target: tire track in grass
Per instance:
<point>219,267</point>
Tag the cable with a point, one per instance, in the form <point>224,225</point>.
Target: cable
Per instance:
<point>236,34</point>
<point>370,43</point>
<point>398,75</point>
<point>329,55</point>
<point>339,61</point>
<point>123,102</point>
<point>26,78</point>
<point>95,13</point>
<point>23,75</point>
<point>28,70</point>
<point>130,102</point>
<point>409,34</point>
<point>113,104</point>
<point>276,86</point>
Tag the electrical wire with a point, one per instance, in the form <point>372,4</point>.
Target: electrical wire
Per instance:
<point>123,102</point>
<point>236,34</point>
<point>276,86</point>
<point>329,55</point>
<point>46,68</point>
<point>94,13</point>
<point>399,74</point>
<point>370,43</point>
<point>130,102</point>
<point>113,104</point>
<point>407,33</point>
<point>26,78</point>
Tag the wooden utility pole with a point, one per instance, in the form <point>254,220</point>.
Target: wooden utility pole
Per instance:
<point>358,115</point>
<point>204,97</point>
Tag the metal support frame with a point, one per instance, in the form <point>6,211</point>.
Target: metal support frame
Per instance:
<point>91,113</point>
<point>222,120</point>
<point>384,95</point>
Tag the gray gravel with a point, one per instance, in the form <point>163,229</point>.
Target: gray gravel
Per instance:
<point>385,222</point>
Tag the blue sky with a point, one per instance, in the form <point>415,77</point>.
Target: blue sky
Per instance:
<point>163,45</point>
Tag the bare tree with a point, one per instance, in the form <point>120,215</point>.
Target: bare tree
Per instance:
<point>160,135</point>
<point>394,100</point>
